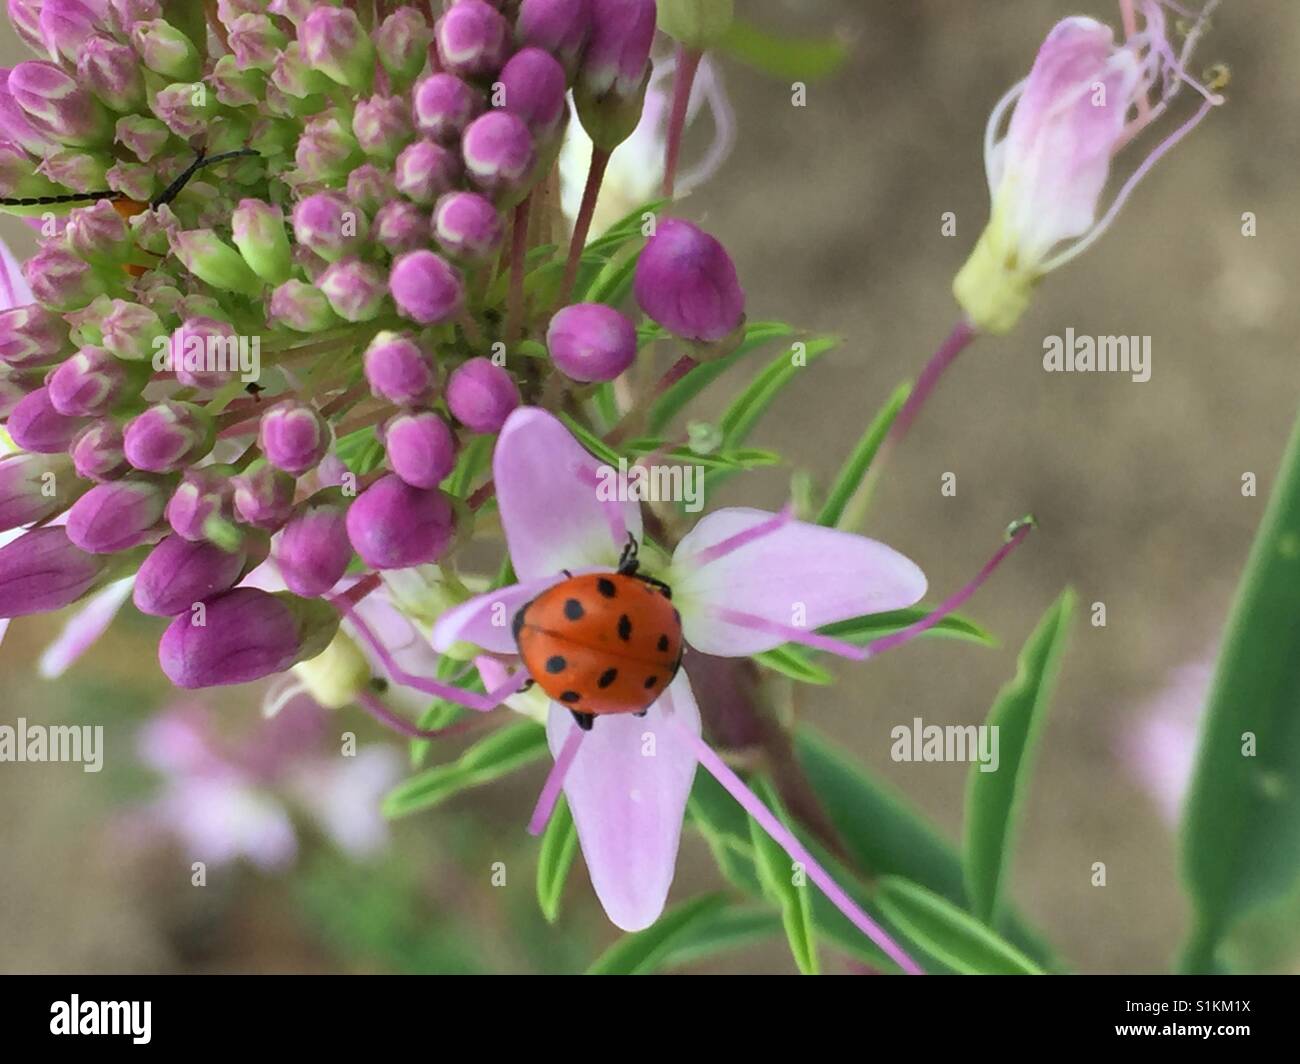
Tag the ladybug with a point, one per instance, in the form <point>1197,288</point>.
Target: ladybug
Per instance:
<point>602,642</point>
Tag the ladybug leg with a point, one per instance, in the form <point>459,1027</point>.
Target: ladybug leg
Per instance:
<point>659,584</point>
<point>528,684</point>
<point>627,561</point>
<point>641,712</point>
<point>584,720</point>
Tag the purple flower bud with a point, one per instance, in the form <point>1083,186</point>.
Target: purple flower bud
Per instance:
<point>91,382</point>
<point>58,106</point>
<point>444,105</point>
<point>76,168</point>
<point>472,38</point>
<point>99,453</point>
<point>34,487</point>
<point>257,230</point>
<point>211,259</point>
<point>401,226</point>
<point>25,15</point>
<point>534,86</point>
<point>394,526</point>
<point>468,226</point>
<point>256,42</point>
<point>334,42</point>
<point>559,26</point>
<point>294,436</point>
<point>294,76</point>
<point>168,436</point>
<point>42,570</point>
<point>370,187</point>
<point>425,170</point>
<point>178,573</point>
<point>98,233</point>
<point>133,180</point>
<point>329,225</point>
<point>402,43</point>
<point>204,351</point>
<point>111,71</point>
<point>205,494</point>
<point>302,307</point>
<point>34,425</point>
<point>245,634</point>
<point>60,279</point>
<point>313,550</point>
<point>131,331</point>
<point>236,87</point>
<point>421,448</point>
<point>296,11</point>
<point>327,150</point>
<point>116,516</point>
<point>264,496</point>
<point>382,125</point>
<point>398,370</point>
<point>591,342</point>
<point>15,386</point>
<point>686,282</point>
<point>31,336</point>
<point>126,13</point>
<point>425,288</point>
<point>498,151</point>
<point>356,290</point>
<point>619,47</point>
<point>481,395</point>
<point>166,50</point>
<point>67,26</point>
<point>184,112</point>
<point>16,126</point>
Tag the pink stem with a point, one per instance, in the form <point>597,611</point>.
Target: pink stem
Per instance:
<point>518,254</point>
<point>676,372</point>
<point>786,839</point>
<point>376,708</point>
<point>962,334</point>
<point>555,782</point>
<point>582,224</point>
<point>688,62</point>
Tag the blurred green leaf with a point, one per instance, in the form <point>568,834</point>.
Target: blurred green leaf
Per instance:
<point>613,283</point>
<point>796,663</point>
<point>750,405</point>
<point>360,451</point>
<point>626,228</point>
<point>993,798</point>
<point>947,933</point>
<point>1241,827</point>
<point>643,951</point>
<point>474,459</point>
<point>855,468</point>
<point>776,872</point>
<point>734,927</point>
<point>555,859</point>
<point>782,56</point>
<point>501,753</point>
<point>441,712</point>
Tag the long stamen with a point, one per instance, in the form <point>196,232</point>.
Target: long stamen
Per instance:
<point>373,705</point>
<point>468,699</point>
<point>802,636</point>
<point>786,839</point>
<point>555,782</point>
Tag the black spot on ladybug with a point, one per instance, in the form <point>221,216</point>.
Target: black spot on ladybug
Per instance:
<point>517,623</point>
<point>570,696</point>
<point>650,681</point>
<point>606,678</point>
<point>573,609</point>
<point>606,587</point>
<point>555,663</point>
<point>625,628</point>
<point>662,644</point>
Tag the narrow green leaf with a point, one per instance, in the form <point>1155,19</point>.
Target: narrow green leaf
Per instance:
<point>613,283</point>
<point>627,227</point>
<point>501,753</point>
<point>777,874</point>
<point>796,663</point>
<point>947,933</point>
<point>993,798</point>
<point>1241,827</point>
<point>749,406</point>
<point>855,468</point>
<point>591,441</point>
<point>360,451</point>
<point>474,460</point>
<point>781,56</point>
<point>734,927</point>
<point>555,859</point>
<point>643,952</point>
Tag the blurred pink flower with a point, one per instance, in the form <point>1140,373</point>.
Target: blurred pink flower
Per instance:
<point>1160,749</point>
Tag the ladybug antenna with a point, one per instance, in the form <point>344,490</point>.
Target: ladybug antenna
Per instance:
<point>70,197</point>
<point>174,189</point>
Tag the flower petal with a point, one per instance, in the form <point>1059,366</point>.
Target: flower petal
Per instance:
<point>627,789</point>
<point>546,486</point>
<point>798,574</point>
<point>84,627</point>
<point>485,620</point>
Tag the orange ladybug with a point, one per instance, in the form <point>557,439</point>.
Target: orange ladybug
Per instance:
<point>603,642</point>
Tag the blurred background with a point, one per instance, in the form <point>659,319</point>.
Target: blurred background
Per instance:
<point>833,215</point>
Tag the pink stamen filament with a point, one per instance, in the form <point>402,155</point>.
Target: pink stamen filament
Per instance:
<point>786,839</point>
<point>743,538</point>
<point>956,342</point>
<point>802,636</point>
<point>373,705</point>
<point>555,782</point>
<point>688,61</point>
<point>612,508</point>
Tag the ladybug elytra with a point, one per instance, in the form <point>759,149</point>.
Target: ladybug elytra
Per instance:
<point>602,642</point>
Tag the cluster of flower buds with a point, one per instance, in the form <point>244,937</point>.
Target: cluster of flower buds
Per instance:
<point>286,252</point>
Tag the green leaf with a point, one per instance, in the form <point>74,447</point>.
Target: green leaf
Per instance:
<point>854,471</point>
<point>776,873</point>
<point>591,441</point>
<point>678,395</point>
<point>731,928</point>
<point>749,406</point>
<point>644,951</point>
<point>993,798</point>
<point>625,229</point>
<point>613,283</point>
<point>796,663</point>
<point>1241,827</point>
<point>947,933</point>
<point>501,753</point>
<point>781,56</point>
<point>360,451</point>
<point>474,459</point>
<point>555,859</point>
<point>441,712</point>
